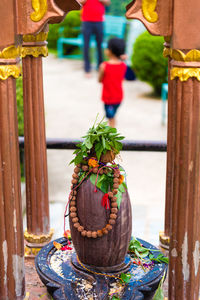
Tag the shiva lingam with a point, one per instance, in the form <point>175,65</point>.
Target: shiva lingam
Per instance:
<point>95,265</point>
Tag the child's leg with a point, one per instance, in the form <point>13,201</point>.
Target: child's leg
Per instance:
<point>110,113</point>
<point>112,122</point>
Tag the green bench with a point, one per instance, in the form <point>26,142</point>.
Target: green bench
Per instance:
<point>113,27</point>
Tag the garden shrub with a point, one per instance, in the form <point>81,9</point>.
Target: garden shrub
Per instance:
<point>148,62</point>
<point>71,28</point>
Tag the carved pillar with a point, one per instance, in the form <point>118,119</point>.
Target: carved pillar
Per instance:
<point>185,231</point>
<point>164,236</point>
<point>11,229</point>
<point>37,204</point>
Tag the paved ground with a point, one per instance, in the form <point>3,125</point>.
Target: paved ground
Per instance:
<point>71,105</point>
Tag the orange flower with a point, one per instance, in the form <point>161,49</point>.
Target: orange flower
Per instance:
<point>67,234</point>
<point>58,246</point>
<point>121,179</point>
<point>92,162</point>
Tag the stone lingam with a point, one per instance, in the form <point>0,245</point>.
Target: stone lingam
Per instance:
<point>97,259</point>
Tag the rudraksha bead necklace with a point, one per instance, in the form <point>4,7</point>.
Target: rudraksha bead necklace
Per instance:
<point>111,195</point>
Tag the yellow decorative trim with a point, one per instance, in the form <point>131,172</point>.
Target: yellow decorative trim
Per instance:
<point>40,37</point>
<point>148,10</point>
<point>178,55</point>
<point>40,9</point>
<point>31,251</point>
<point>185,73</point>
<point>164,239</point>
<point>10,52</point>
<point>39,239</point>
<point>9,70</point>
<point>34,51</point>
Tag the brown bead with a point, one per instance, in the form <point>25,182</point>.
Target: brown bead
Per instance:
<point>108,227</point>
<point>84,233</point>
<point>73,215</point>
<point>73,209</point>
<point>116,174</point>
<point>76,225</point>
<point>80,228</point>
<point>73,203</point>
<point>113,216</point>
<point>95,170</point>
<point>105,171</point>
<point>74,193</point>
<point>115,185</point>
<point>105,231</point>
<point>111,221</point>
<point>114,204</point>
<point>94,234</point>
<point>79,165</point>
<point>99,233</point>
<point>116,180</point>
<point>89,234</point>
<point>76,170</point>
<point>114,210</point>
<point>70,197</point>
<point>115,192</point>
<point>110,194</point>
<point>114,199</point>
<point>73,198</point>
<point>101,172</point>
<point>75,220</point>
<point>74,181</point>
<point>75,176</point>
<point>84,168</point>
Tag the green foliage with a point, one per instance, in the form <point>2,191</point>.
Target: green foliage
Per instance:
<point>159,295</point>
<point>141,252</point>
<point>117,8</point>
<point>148,62</point>
<point>125,277</point>
<point>70,27</point>
<point>98,141</point>
<point>20,109</point>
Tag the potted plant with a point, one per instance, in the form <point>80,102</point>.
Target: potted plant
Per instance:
<point>100,210</point>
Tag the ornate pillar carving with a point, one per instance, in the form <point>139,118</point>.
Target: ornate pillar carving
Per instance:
<point>11,228</point>
<point>37,205</point>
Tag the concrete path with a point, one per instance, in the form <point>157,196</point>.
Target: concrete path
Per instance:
<point>71,105</point>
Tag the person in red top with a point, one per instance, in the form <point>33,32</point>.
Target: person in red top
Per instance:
<point>111,75</point>
<point>92,24</point>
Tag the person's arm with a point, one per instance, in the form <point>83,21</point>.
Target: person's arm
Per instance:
<point>105,2</point>
<point>82,2</point>
<point>101,72</point>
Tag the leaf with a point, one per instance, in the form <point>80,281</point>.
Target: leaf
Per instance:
<point>115,298</point>
<point>93,178</point>
<point>121,188</point>
<point>103,142</point>
<point>159,295</point>
<point>88,143</point>
<point>125,278</point>
<point>78,159</point>
<point>98,150</point>
<point>119,198</point>
<point>81,177</point>
<point>107,146</point>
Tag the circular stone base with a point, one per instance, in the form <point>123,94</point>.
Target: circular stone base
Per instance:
<point>67,278</point>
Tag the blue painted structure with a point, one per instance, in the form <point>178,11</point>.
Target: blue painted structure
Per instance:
<point>113,27</point>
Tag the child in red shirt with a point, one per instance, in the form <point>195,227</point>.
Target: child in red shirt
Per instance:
<point>111,74</point>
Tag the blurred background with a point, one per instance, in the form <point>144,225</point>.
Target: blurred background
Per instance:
<point>72,102</point>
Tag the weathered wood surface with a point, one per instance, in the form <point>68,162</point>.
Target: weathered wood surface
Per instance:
<point>109,250</point>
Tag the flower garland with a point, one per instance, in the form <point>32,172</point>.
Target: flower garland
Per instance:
<point>108,200</point>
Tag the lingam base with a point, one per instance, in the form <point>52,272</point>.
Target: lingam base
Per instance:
<point>66,278</point>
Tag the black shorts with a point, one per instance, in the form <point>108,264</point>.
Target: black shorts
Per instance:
<point>111,110</point>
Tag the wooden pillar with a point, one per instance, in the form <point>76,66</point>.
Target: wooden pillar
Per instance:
<point>37,203</point>
<point>11,228</point>
<point>164,236</point>
<point>184,274</point>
